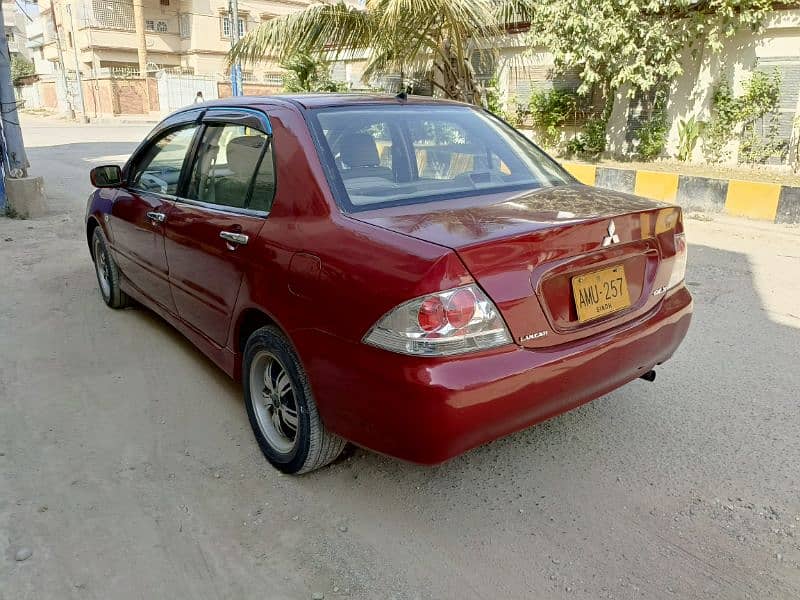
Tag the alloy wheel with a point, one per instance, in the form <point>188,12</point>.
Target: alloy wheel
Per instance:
<point>273,398</point>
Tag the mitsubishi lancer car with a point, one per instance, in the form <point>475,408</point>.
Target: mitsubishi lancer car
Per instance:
<point>410,275</point>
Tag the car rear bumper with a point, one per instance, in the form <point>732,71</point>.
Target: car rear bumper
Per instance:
<point>429,410</point>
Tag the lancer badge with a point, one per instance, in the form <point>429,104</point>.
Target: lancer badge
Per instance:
<point>612,237</point>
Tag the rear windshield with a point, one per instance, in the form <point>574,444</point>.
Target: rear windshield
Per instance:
<point>383,156</point>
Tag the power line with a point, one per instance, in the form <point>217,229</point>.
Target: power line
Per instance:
<point>24,12</point>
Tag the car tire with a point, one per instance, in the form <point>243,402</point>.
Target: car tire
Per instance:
<point>107,272</point>
<point>281,407</point>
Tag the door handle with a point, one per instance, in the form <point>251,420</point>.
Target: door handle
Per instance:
<point>234,238</point>
<point>156,216</point>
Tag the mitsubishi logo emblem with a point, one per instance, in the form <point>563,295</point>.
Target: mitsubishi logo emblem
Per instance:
<point>612,237</point>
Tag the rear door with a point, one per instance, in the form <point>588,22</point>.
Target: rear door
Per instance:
<point>142,207</point>
<point>213,226</point>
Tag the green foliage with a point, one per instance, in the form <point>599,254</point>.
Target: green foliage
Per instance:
<point>761,100</point>
<point>307,74</point>
<point>21,68</point>
<point>689,131</point>
<point>590,143</point>
<point>493,101</point>
<point>637,42</point>
<point>652,135</point>
<point>550,111</point>
<point>720,129</point>
<point>740,117</point>
<point>435,37</point>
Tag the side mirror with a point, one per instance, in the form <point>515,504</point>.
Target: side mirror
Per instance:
<point>106,176</point>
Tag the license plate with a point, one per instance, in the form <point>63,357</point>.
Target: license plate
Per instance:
<point>600,293</point>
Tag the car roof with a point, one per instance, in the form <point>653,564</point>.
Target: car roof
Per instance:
<point>311,101</point>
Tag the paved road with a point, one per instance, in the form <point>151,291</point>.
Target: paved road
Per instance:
<point>127,464</point>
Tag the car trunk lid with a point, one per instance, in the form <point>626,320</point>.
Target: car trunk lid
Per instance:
<point>525,249</point>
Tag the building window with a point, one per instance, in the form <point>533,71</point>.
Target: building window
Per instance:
<point>157,26</point>
<point>164,2</point>
<point>10,36</point>
<point>185,24</point>
<point>117,14</point>
<point>225,21</point>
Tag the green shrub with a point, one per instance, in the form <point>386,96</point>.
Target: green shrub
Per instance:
<point>591,141</point>
<point>732,117</point>
<point>550,111</point>
<point>308,74</point>
<point>652,135</point>
<point>21,68</point>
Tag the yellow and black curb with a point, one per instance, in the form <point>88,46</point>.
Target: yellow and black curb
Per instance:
<point>756,200</point>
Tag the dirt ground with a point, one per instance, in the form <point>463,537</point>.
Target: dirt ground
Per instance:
<point>128,468</point>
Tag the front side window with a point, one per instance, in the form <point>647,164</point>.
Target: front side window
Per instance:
<point>392,155</point>
<point>158,168</point>
<point>233,168</point>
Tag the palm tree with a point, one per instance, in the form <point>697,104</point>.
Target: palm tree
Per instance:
<point>433,37</point>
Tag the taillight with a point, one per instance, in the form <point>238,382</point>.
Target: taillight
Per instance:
<point>441,324</point>
<point>679,262</point>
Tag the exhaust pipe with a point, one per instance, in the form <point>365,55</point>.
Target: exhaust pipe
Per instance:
<point>649,376</point>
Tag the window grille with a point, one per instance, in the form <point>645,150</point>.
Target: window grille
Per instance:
<point>185,24</point>
<point>116,14</point>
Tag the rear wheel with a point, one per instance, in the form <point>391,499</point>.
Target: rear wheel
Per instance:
<point>281,407</point>
<point>107,272</point>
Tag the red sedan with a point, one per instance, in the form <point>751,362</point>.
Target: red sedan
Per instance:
<point>411,275</point>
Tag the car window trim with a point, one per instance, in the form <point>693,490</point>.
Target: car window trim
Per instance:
<point>248,117</point>
<point>222,208</point>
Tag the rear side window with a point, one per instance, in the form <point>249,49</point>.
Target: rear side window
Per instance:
<point>391,155</point>
<point>233,168</point>
<point>158,169</point>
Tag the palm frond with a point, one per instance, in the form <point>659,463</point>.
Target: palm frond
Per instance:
<point>340,28</point>
<point>510,12</point>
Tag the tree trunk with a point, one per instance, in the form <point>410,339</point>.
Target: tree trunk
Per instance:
<point>457,77</point>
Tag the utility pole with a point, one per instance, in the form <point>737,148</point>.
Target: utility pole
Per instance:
<point>236,68</point>
<point>61,63</point>
<point>14,149</point>
<point>22,195</point>
<point>77,64</point>
<point>141,39</point>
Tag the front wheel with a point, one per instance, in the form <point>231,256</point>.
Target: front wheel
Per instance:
<point>281,407</point>
<point>107,272</point>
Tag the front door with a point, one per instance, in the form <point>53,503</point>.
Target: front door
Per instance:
<point>141,209</point>
<point>212,229</point>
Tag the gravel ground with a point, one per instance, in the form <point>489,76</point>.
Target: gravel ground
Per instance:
<point>128,469</point>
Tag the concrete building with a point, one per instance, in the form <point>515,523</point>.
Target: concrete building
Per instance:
<point>188,36</point>
<point>16,20</point>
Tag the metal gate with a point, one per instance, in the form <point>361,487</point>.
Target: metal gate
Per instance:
<point>176,91</point>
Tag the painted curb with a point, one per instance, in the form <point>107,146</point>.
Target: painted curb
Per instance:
<point>752,199</point>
